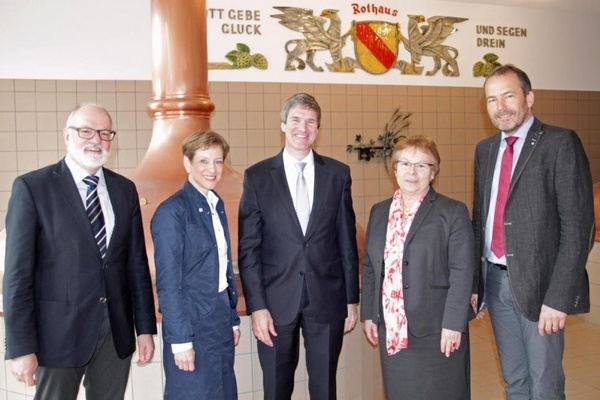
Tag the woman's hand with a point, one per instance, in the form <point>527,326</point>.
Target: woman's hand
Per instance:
<point>185,360</point>
<point>236,336</point>
<point>450,341</point>
<point>370,329</point>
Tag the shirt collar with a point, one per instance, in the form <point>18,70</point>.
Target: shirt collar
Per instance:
<point>289,160</point>
<point>211,197</point>
<point>523,130</point>
<point>80,173</point>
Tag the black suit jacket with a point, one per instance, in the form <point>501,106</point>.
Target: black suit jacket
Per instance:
<point>439,265</point>
<point>548,219</point>
<point>56,285</point>
<point>276,259</point>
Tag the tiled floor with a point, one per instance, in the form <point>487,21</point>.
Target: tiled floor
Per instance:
<point>581,361</point>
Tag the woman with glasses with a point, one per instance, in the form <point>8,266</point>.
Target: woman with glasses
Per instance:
<point>418,275</point>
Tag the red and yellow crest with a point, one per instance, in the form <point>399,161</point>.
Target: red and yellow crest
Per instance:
<point>376,45</point>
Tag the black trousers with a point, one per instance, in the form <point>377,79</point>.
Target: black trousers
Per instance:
<point>105,376</point>
<point>323,344</point>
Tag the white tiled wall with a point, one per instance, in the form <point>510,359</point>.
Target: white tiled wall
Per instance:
<point>32,113</point>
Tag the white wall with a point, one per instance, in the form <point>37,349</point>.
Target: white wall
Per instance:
<point>110,39</point>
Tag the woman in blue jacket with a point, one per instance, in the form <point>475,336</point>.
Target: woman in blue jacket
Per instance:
<point>194,279</point>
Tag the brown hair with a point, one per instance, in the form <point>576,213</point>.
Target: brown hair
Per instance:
<point>302,100</point>
<point>203,140</point>
<point>420,142</point>
<point>502,70</point>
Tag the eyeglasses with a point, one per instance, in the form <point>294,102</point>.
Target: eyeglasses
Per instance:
<point>419,166</point>
<point>88,133</point>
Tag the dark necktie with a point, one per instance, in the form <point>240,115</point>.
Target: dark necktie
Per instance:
<point>94,212</point>
<point>302,201</point>
<point>503,187</point>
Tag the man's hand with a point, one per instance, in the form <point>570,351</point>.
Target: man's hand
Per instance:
<point>145,348</point>
<point>474,301</point>
<point>370,329</point>
<point>351,318</point>
<point>262,326</point>
<point>24,367</point>
<point>551,321</point>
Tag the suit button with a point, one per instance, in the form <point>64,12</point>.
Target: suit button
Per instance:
<point>406,286</point>
<point>300,273</point>
<point>405,263</point>
<point>102,300</point>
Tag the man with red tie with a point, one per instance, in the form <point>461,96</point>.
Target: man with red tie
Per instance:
<point>534,222</point>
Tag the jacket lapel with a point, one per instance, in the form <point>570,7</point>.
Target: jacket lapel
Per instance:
<point>321,179</point>
<point>533,137</point>
<point>73,203</point>
<point>280,183</point>
<point>491,156</point>
<point>421,214</point>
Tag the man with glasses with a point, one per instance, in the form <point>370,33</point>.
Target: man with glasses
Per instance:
<point>77,286</point>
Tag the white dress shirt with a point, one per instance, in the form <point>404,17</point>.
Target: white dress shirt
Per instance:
<point>107,210</point>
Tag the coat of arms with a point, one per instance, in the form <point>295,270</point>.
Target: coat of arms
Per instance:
<point>376,43</point>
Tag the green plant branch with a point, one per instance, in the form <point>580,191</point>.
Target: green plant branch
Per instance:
<point>384,145</point>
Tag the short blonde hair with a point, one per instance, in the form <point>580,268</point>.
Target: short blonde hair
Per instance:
<point>203,140</point>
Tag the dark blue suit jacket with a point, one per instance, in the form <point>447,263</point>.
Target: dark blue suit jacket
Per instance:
<point>187,262</point>
<point>276,259</point>
<point>56,285</point>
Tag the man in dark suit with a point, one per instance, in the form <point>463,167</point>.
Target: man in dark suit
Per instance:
<point>534,231</point>
<point>77,290</point>
<point>299,275</point>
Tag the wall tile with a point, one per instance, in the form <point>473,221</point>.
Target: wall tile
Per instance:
<point>25,101</point>
<point>8,139</point>
<point>86,86</point>
<point>106,86</point>
<point>7,101</point>
<point>45,101</point>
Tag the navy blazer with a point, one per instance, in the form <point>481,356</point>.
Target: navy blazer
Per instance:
<point>56,285</point>
<point>276,259</point>
<point>548,220</point>
<point>439,265</point>
<point>187,262</point>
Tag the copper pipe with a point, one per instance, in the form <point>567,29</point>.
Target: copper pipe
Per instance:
<point>180,105</point>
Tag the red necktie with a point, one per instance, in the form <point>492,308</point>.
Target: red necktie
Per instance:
<point>503,187</point>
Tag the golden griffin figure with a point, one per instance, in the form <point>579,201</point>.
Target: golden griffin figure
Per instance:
<point>426,40</point>
<point>316,38</point>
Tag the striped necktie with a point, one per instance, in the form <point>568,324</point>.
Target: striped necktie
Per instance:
<point>94,213</point>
